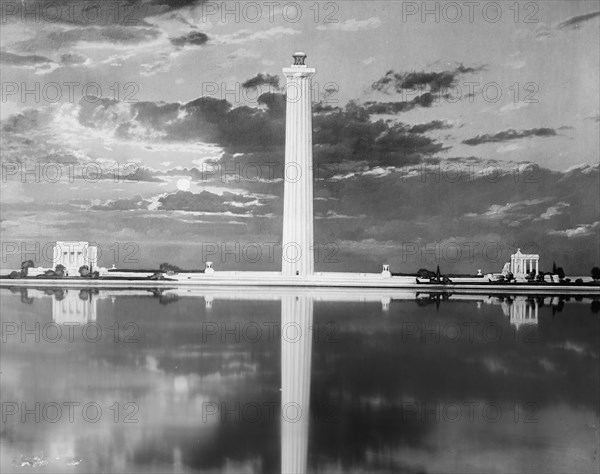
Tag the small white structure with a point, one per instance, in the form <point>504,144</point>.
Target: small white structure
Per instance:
<point>522,264</point>
<point>385,273</point>
<point>73,255</point>
<point>31,271</point>
<point>209,268</point>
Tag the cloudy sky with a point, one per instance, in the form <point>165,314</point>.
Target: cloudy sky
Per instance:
<point>442,135</point>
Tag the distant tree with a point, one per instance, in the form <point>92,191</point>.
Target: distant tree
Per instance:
<point>59,270</point>
<point>560,272</point>
<point>530,276</point>
<point>168,267</point>
<point>579,281</point>
<point>540,277</point>
<point>84,271</point>
<point>596,273</point>
<point>25,266</point>
<point>554,269</point>
<point>424,273</point>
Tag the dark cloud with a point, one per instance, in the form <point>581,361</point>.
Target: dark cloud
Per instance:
<point>27,121</point>
<point>575,21</point>
<point>275,103</point>
<point>467,205</point>
<point>351,135</point>
<point>52,40</point>
<point>340,134</point>
<point>426,127</point>
<point>388,108</point>
<point>511,134</point>
<point>132,175</point>
<point>433,81</point>
<point>18,60</point>
<point>262,79</point>
<point>206,202</point>
<point>72,58</point>
<point>195,38</point>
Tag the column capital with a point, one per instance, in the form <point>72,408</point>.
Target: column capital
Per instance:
<point>298,71</point>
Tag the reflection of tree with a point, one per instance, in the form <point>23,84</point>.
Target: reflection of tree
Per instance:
<point>25,298</point>
<point>58,293</point>
<point>85,295</point>
<point>557,308</point>
<point>164,298</point>
<point>432,298</point>
<point>168,298</point>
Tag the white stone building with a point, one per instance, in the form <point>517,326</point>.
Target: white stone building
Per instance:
<point>73,255</point>
<point>522,264</point>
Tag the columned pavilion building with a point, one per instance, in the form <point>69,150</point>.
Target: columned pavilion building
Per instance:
<point>522,264</point>
<point>73,255</point>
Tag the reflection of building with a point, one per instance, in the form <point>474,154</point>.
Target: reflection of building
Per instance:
<point>296,354</point>
<point>297,243</point>
<point>74,306</point>
<point>522,311</point>
<point>73,255</point>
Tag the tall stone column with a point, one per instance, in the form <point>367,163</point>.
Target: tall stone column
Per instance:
<point>296,355</point>
<point>298,238</point>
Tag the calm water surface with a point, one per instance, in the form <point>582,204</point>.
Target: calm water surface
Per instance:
<point>277,380</point>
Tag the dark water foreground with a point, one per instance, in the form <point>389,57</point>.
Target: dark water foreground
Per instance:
<point>167,381</point>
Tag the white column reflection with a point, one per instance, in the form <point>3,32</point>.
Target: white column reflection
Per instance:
<point>74,306</point>
<point>296,354</point>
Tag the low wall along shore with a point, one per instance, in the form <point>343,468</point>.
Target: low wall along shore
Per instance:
<point>318,280</point>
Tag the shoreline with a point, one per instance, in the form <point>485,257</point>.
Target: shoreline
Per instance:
<point>381,284</point>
